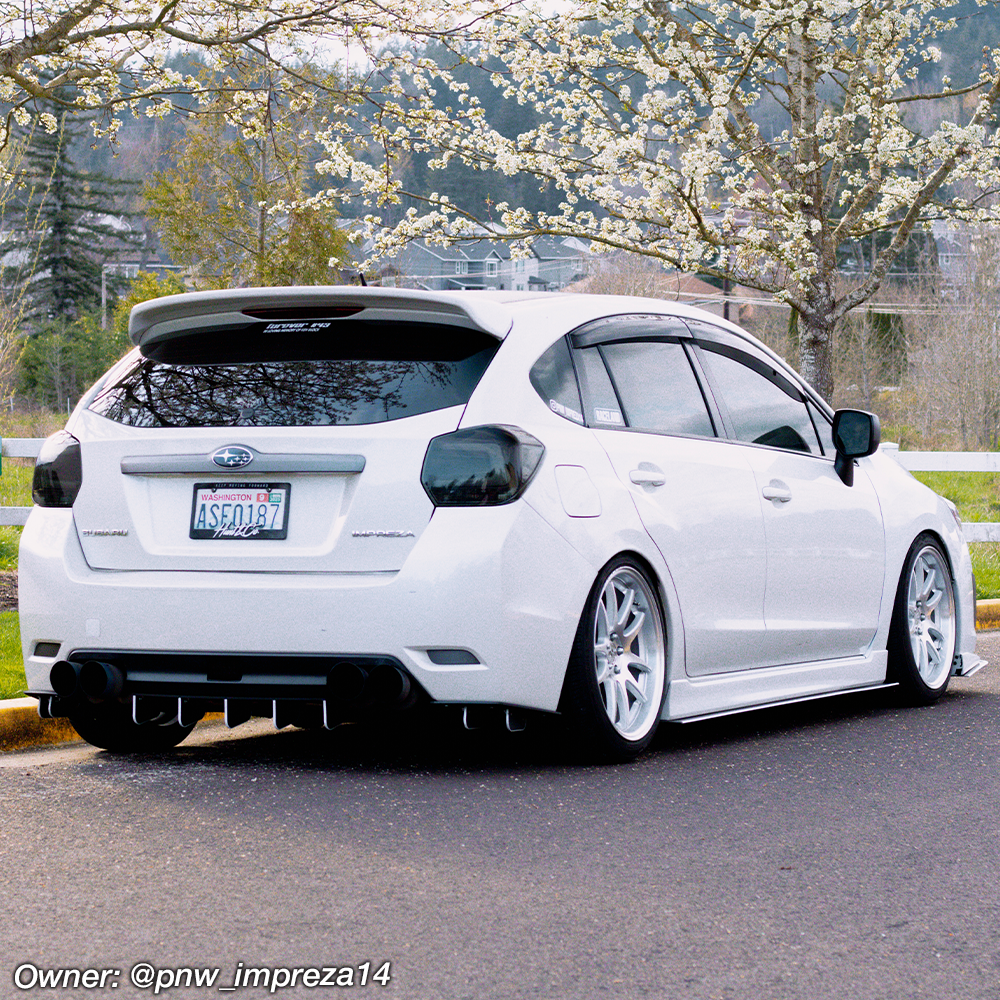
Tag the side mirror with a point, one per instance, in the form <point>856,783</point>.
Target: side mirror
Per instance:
<point>856,434</point>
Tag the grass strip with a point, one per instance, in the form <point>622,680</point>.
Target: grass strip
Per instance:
<point>12,679</point>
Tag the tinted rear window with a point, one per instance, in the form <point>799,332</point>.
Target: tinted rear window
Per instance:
<point>298,375</point>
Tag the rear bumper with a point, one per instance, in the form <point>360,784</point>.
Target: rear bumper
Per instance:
<point>484,610</point>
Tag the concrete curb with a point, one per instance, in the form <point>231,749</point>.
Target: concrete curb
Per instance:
<point>988,614</point>
<point>20,726</point>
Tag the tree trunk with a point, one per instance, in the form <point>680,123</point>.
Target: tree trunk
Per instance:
<point>816,348</point>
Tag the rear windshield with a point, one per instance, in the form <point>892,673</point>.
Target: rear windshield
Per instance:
<point>295,375</point>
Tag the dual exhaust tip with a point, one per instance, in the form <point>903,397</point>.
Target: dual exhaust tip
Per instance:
<point>92,679</point>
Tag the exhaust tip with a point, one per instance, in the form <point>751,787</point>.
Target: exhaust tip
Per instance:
<point>347,681</point>
<point>101,681</point>
<point>64,677</point>
<point>388,685</point>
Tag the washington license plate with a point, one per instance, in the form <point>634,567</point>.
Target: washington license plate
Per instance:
<point>240,510</point>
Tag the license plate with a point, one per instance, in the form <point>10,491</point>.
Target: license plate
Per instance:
<point>240,510</point>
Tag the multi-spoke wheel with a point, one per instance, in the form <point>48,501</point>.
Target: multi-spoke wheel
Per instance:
<point>922,635</point>
<point>616,679</point>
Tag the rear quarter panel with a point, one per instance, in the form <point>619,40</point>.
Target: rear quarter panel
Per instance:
<point>505,396</point>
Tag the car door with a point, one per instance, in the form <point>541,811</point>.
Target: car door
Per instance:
<point>696,495</point>
<point>825,541</point>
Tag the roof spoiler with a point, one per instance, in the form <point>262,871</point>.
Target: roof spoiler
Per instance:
<point>175,315</point>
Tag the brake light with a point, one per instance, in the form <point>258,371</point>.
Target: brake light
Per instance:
<point>480,466</point>
<point>58,472</point>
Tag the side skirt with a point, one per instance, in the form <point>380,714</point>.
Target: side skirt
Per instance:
<point>787,701</point>
<point>744,690</point>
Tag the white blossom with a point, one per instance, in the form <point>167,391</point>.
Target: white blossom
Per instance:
<point>653,112</point>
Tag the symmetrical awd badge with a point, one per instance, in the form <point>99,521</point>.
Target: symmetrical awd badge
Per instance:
<point>233,456</point>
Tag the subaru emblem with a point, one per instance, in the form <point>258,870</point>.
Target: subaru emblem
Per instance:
<point>233,456</point>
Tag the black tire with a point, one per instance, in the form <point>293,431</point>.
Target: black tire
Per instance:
<point>923,631</point>
<point>110,727</point>
<point>616,678</point>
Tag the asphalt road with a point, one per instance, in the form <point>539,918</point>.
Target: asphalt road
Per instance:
<point>848,848</point>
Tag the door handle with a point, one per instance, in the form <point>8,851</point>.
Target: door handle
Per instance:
<point>780,493</point>
<point>647,477</point>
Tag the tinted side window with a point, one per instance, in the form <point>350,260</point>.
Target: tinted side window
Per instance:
<point>767,411</point>
<point>554,380</point>
<point>602,407</point>
<point>658,387</point>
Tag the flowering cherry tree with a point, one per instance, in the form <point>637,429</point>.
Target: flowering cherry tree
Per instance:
<point>111,57</point>
<point>750,139</point>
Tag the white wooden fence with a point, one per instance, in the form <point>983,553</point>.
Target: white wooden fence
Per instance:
<point>18,448</point>
<point>915,461</point>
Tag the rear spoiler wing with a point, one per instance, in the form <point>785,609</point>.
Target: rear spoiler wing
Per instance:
<point>175,315</point>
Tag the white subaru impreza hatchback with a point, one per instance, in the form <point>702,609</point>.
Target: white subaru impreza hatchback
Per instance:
<point>314,504</point>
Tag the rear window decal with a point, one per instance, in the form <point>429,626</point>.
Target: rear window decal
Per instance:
<point>608,416</point>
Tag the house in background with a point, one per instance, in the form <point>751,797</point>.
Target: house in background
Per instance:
<point>472,264</point>
<point>559,261</point>
<point>952,240</point>
<point>477,264</point>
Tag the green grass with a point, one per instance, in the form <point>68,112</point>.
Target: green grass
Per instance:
<point>12,679</point>
<point>977,497</point>
<point>15,482</point>
<point>986,566</point>
<point>10,538</point>
<point>15,491</point>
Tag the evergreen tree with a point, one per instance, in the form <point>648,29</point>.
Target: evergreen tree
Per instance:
<point>62,358</point>
<point>69,224</point>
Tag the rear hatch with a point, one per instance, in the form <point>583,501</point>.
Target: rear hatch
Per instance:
<point>280,439</point>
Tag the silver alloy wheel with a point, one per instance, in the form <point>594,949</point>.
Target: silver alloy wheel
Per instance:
<point>930,607</point>
<point>629,653</point>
